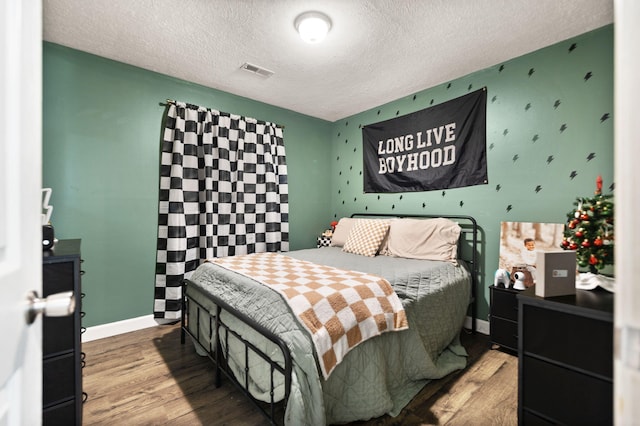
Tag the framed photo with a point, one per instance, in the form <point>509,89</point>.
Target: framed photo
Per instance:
<point>520,242</point>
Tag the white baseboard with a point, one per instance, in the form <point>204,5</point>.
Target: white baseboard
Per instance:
<point>118,327</point>
<point>133,324</point>
<point>482,326</point>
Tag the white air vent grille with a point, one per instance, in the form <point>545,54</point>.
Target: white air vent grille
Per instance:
<point>255,69</point>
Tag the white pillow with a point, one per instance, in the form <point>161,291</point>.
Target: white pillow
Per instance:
<point>366,236</point>
<point>431,239</point>
<point>341,232</point>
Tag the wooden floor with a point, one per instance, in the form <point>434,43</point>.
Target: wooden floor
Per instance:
<point>148,378</point>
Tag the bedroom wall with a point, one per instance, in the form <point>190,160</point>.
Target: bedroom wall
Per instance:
<point>549,135</point>
<point>101,137</point>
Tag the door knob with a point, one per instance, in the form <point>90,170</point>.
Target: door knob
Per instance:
<point>54,305</point>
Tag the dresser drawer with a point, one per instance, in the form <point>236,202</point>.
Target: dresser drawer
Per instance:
<point>575,341</point>
<point>59,380</point>
<point>560,394</point>
<point>504,304</point>
<point>504,333</point>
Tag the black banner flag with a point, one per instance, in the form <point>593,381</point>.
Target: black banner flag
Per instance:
<point>440,147</point>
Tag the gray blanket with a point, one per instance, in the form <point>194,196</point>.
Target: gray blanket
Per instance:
<point>380,375</point>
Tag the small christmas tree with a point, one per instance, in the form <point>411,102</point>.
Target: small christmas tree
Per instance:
<point>589,230</point>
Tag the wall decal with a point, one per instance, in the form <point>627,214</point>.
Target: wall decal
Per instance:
<point>573,174</point>
<point>498,187</point>
<point>572,47</point>
<point>470,87</point>
<point>531,71</point>
<point>587,76</point>
<point>424,205</point>
<point>509,208</point>
<point>501,68</point>
<point>549,159</point>
<point>556,104</point>
<point>591,156</point>
<point>495,98</point>
<point>491,145</point>
<point>527,107</point>
<point>535,138</point>
<point>563,127</point>
<point>461,203</point>
<point>506,132</point>
<point>448,86</point>
<point>604,117</point>
<point>538,189</point>
<point>443,192</point>
<point>414,97</point>
<point>397,112</point>
<point>515,158</point>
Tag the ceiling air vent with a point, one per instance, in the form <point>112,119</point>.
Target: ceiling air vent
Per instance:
<point>256,70</point>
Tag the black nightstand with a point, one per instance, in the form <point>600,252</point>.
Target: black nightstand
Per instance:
<point>504,318</point>
<point>565,359</point>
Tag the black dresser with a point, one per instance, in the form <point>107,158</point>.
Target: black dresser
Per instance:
<point>62,355</point>
<point>565,365</point>
<point>503,319</point>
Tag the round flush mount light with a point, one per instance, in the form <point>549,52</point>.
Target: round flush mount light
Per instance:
<point>312,26</point>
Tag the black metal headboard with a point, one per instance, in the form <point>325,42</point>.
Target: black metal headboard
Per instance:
<point>467,247</point>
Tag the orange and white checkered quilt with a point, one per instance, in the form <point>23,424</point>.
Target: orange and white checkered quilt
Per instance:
<point>339,308</point>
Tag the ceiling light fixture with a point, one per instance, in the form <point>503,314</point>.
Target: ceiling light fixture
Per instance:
<point>312,26</point>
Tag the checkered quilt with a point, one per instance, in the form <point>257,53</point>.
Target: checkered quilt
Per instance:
<point>339,308</point>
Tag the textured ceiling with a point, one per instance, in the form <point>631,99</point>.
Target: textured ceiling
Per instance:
<point>377,50</point>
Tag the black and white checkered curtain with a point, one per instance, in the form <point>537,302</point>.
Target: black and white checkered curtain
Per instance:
<point>223,192</point>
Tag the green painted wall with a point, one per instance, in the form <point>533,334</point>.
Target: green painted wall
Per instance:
<point>101,136</point>
<point>549,135</point>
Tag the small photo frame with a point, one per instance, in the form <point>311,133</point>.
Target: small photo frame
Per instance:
<point>520,243</point>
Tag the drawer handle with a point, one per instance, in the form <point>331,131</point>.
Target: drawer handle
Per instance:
<point>85,396</point>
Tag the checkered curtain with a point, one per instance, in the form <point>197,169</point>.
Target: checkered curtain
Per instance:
<point>223,192</point>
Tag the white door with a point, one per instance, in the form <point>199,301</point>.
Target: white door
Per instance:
<point>20,209</point>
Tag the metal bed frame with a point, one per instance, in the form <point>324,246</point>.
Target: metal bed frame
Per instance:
<point>218,353</point>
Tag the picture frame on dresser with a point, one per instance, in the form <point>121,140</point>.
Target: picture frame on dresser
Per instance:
<point>520,242</point>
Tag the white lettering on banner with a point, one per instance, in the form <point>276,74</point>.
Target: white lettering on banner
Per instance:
<point>437,157</point>
<point>428,157</point>
<point>405,142</point>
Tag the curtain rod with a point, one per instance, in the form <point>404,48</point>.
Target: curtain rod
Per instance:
<point>173,102</point>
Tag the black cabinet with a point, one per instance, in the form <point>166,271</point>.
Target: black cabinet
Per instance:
<point>61,346</point>
<point>504,318</point>
<point>565,365</point>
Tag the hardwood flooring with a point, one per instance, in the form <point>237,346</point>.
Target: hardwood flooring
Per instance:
<point>148,378</point>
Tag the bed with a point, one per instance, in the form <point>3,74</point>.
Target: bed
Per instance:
<point>257,341</point>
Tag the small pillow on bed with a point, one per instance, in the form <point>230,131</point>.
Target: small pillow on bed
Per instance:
<point>430,239</point>
<point>341,232</point>
<point>365,237</point>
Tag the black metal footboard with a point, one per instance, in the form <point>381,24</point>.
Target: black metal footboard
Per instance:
<point>218,352</point>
